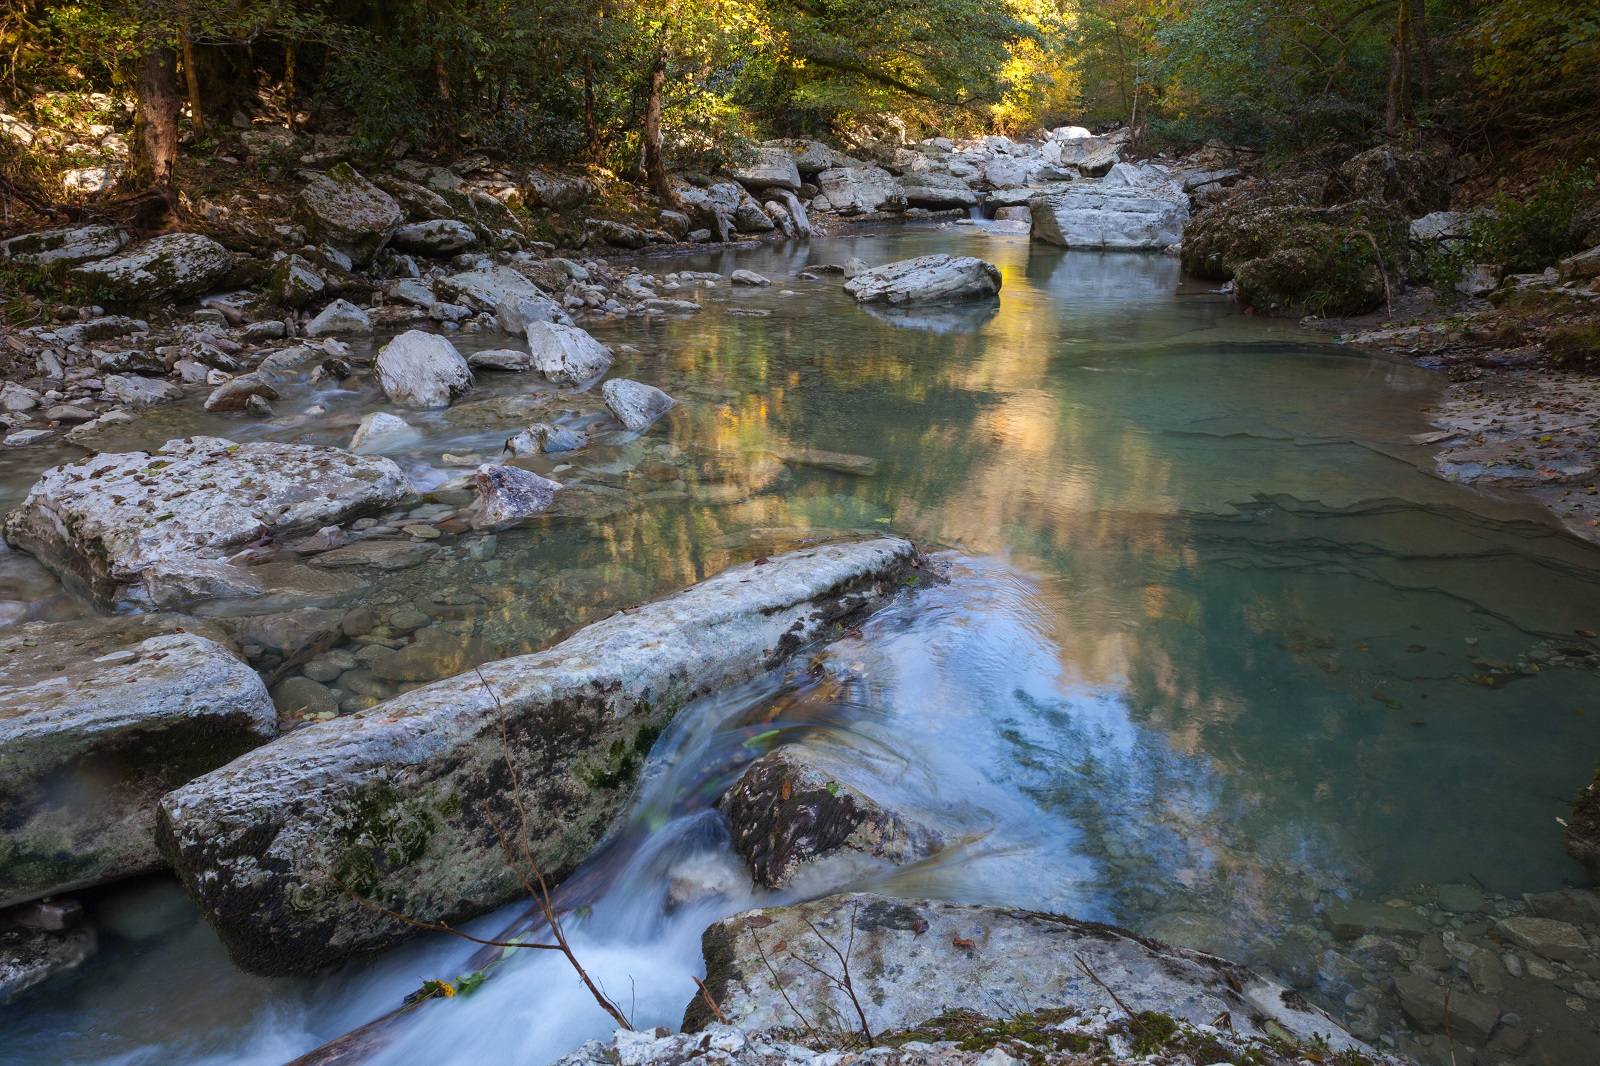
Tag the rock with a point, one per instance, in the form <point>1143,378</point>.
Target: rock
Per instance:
<point>1138,176</point>
<point>392,799</point>
<point>635,404</point>
<point>1089,156</point>
<point>673,307</point>
<point>1439,225</point>
<point>293,636</point>
<point>789,809</point>
<point>1069,133</point>
<point>434,655</point>
<point>339,317</point>
<point>1424,1003</point>
<point>1479,279</point>
<point>235,394</point>
<point>487,287</point>
<point>1013,214</point>
<point>132,361</point>
<point>16,399</point>
<point>797,211</point>
<point>1460,899</point>
<point>934,190</point>
<point>29,957</point>
<point>566,353</point>
<point>439,236</point>
<point>1193,930</point>
<point>912,960</point>
<point>772,168</point>
<point>749,278</point>
<point>516,312</point>
<point>1097,216</point>
<point>68,413</point>
<point>556,192</point>
<point>839,462</point>
<point>619,234</point>
<point>543,437</point>
<point>1006,173</point>
<point>1485,972</point>
<point>381,430</point>
<point>506,359</point>
<point>1579,906</point>
<point>419,369</point>
<point>926,279</point>
<point>809,156</point>
<point>98,719</point>
<point>1545,936</point>
<point>301,696</point>
<point>24,437</point>
<point>295,282</point>
<point>345,210</point>
<point>154,527</point>
<point>1354,918</point>
<point>712,208</point>
<point>386,555</point>
<point>509,494</point>
<point>1585,266</point>
<point>856,190</point>
<point>77,245</point>
<point>140,392</point>
<point>748,217</point>
<point>175,266</point>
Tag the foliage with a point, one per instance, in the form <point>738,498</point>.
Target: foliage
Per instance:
<point>1528,233</point>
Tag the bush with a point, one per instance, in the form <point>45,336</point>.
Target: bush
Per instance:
<point>1528,234</point>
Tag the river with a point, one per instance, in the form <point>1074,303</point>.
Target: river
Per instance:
<point>1215,649</point>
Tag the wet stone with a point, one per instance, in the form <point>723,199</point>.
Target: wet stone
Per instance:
<point>1460,899</point>
<point>379,554</point>
<point>1352,919</point>
<point>1424,1002</point>
<point>437,654</point>
<point>302,696</point>
<point>1544,936</point>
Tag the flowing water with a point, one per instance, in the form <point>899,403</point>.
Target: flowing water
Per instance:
<point>1214,649</point>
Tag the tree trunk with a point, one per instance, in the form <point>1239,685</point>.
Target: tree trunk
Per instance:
<point>1399,71</point>
<point>156,88</point>
<point>288,82</point>
<point>192,78</point>
<point>1423,61</point>
<point>655,164</point>
<point>441,76</point>
<point>591,128</point>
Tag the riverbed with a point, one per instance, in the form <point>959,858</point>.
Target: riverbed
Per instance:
<point>1215,650</point>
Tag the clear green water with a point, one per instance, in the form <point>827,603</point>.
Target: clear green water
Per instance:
<point>1214,644</point>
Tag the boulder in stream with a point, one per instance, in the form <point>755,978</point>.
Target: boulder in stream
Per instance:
<point>789,809</point>
<point>155,528</point>
<point>1102,216</point>
<point>348,212</point>
<point>508,494</point>
<point>636,404</point>
<point>914,960</point>
<point>98,719</point>
<point>420,369</point>
<point>566,353</point>
<point>926,279</point>
<point>399,802</point>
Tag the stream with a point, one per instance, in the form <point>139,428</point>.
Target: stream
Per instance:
<point>1214,651</point>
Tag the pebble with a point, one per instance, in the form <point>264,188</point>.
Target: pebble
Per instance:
<point>421,532</point>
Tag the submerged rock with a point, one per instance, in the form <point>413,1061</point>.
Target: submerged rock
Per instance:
<point>391,800</point>
<point>1118,217</point>
<point>915,960</point>
<point>29,957</point>
<point>788,810</point>
<point>154,528</point>
<point>508,359</point>
<point>174,266</point>
<point>381,430</point>
<point>636,404</point>
<point>98,719</point>
<point>508,494</point>
<point>419,369</point>
<point>926,279</point>
<point>566,353</point>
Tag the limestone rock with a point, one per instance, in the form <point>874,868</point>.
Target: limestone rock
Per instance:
<point>140,391</point>
<point>809,156</point>
<point>1355,918</point>
<point>772,168</point>
<point>153,527</point>
<point>419,369</point>
<point>29,957</point>
<point>487,287</point>
<point>566,353</point>
<point>98,719</point>
<point>392,798</point>
<point>233,395</point>
<point>749,278</point>
<point>508,494</point>
<point>935,190</point>
<point>1424,1003</point>
<point>1090,156</point>
<point>789,809</point>
<point>381,430</point>
<point>1099,216</point>
<point>1439,225</point>
<point>913,960</point>
<point>635,404</point>
<point>348,212</point>
<point>1545,936</point>
<point>77,245</point>
<point>339,317</point>
<point>438,236</point>
<point>507,359</point>
<point>295,282</point>
<point>856,190</point>
<point>516,311</point>
<point>174,266</point>
<point>926,279</point>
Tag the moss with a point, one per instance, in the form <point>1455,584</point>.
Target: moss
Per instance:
<point>381,831</point>
<point>25,866</point>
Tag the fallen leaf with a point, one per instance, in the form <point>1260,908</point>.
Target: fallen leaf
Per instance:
<point>963,943</point>
<point>782,945</point>
<point>786,791</point>
<point>918,926</point>
<point>758,921</point>
<point>763,561</point>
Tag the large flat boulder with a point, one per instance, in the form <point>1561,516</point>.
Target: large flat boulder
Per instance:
<point>566,353</point>
<point>926,279</point>
<point>1090,156</point>
<point>1100,216</point>
<point>348,212</point>
<point>858,190</point>
<point>399,803</point>
<point>155,528</point>
<point>935,190</point>
<point>913,960</point>
<point>772,168</point>
<point>174,266</point>
<point>76,245</point>
<point>99,719</point>
<point>809,156</point>
<point>485,288</point>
